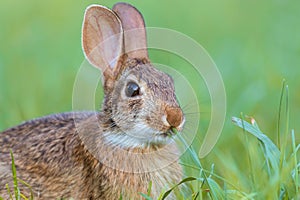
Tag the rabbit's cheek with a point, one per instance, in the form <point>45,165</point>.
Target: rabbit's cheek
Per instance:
<point>135,105</point>
<point>127,113</point>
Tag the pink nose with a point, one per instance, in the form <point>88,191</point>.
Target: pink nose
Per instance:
<point>174,116</point>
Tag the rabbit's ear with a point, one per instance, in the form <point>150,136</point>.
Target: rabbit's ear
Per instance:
<point>135,41</point>
<point>102,39</point>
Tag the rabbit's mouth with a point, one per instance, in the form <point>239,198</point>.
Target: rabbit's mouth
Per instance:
<point>168,133</point>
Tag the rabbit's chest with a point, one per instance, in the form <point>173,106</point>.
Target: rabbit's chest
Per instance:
<point>130,185</point>
<point>117,172</point>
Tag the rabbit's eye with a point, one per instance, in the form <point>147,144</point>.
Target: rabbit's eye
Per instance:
<point>132,89</point>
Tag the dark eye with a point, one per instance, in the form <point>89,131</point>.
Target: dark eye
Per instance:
<point>132,89</point>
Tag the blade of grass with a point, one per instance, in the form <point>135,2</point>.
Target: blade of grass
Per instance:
<point>188,179</point>
<point>265,151</point>
<point>286,132</point>
<point>15,179</point>
<point>200,182</point>
<point>146,196</point>
<point>284,137</point>
<point>225,193</point>
<point>9,192</point>
<point>195,196</point>
<point>193,154</point>
<point>28,186</point>
<point>149,188</point>
<point>296,149</point>
<point>295,162</point>
<point>249,155</point>
<point>190,149</point>
<point>279,113</point>
<point>216,191</point>
<point>23,196</point>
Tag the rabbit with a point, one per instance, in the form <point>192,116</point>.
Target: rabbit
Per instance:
<point>117,151</point>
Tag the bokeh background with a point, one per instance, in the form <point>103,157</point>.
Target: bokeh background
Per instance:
<point>255,44</point>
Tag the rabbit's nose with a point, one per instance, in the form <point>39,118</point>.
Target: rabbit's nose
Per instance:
<point>174,116</point>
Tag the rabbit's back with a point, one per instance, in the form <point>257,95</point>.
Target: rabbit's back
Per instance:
<point>45,154</point>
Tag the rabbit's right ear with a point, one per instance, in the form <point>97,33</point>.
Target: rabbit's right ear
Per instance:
<point>102,39</point>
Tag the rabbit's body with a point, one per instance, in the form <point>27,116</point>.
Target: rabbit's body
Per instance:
<point>118,151</point>
<point>50,156</point>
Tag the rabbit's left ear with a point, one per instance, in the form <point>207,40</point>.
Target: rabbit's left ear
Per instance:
<point>135,41</point>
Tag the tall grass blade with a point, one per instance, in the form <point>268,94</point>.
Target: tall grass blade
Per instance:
<point>286,190</point>
<point>189,148</point>
<point>286,132</point>
<point>249,154</point>
<point>15,179</point>
<point>279,113</point>
<point>296,176</point>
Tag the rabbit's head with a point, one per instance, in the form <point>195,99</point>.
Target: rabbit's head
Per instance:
<point>140,103</point>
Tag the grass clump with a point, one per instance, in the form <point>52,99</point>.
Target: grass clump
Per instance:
<point>278,174</point>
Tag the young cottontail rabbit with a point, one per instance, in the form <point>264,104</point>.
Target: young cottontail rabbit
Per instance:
<point>118,151</point>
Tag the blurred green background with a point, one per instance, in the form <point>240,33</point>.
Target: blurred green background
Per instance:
<point>255,44</point>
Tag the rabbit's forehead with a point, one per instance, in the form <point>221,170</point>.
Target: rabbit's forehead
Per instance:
<point>151,77</point>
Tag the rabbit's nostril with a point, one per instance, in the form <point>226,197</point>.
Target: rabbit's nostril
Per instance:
<point>174,116</point>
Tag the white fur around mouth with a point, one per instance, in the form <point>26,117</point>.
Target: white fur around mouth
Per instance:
<point>141,136</point>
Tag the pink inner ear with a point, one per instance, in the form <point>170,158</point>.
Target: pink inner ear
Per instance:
<point>102,37</point>
<point>135,41</point>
